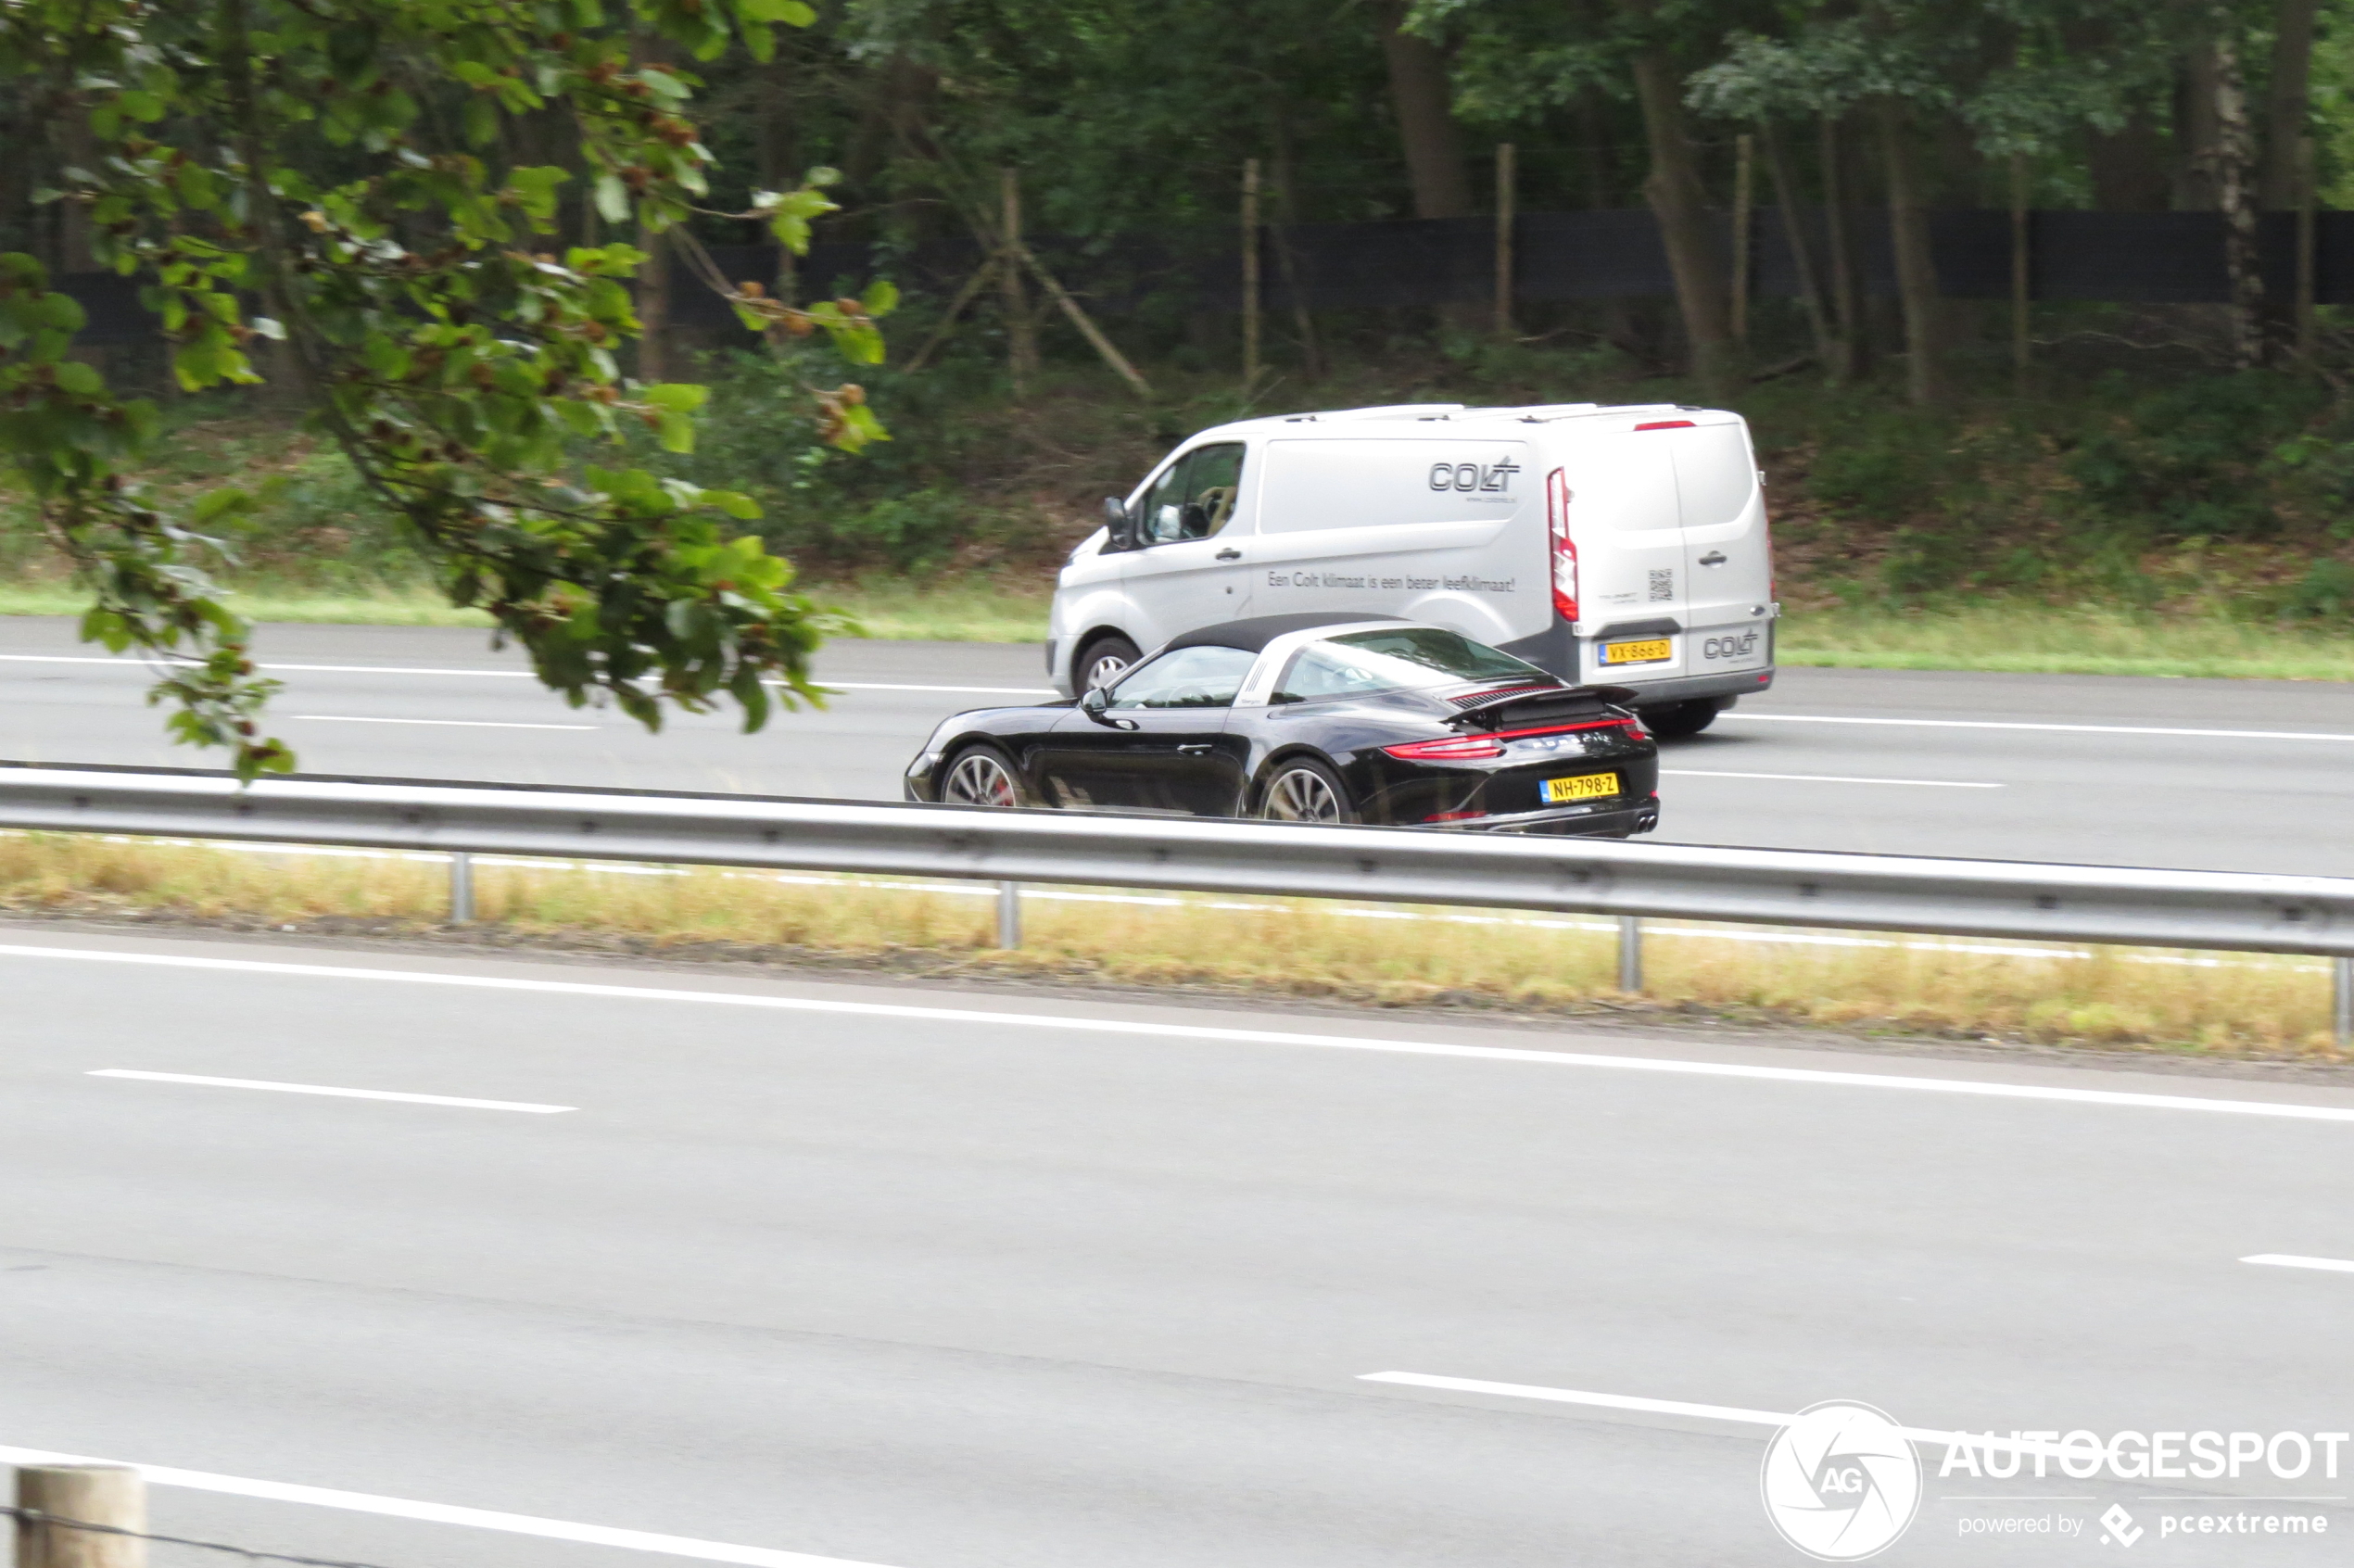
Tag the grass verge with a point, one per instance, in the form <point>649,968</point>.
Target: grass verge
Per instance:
<point>2026,637</point>
<point>2222,1004</point>
<point>2011,636</point>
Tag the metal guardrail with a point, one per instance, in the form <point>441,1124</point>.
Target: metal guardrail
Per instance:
<point>2153,909</point>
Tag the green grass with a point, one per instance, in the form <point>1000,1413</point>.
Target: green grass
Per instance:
<point>973,609</point>
<point>2026,637</point>
<point>2011,636</point>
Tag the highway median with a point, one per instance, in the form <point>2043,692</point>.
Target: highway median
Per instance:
<point>1547,965</point>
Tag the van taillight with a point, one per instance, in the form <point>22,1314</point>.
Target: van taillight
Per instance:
<point>1668,424</point>
<point>1557,499</point>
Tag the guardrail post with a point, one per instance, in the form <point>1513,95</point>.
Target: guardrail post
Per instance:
<point>52,1499</point>
<point>1009,915</point>
<point>1630,953</point>
<point>2342,998</point>
<point>461,888</point>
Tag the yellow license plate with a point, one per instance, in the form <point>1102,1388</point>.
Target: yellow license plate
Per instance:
<point>1584,786</point>
<point>1649,652</point>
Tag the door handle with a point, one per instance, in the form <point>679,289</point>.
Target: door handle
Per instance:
<point>1228,555</point>
<point>1713,557</point>
<point>1193,751</point>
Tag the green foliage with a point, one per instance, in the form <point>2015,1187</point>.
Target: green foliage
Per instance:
<point>2193,460</point>
<point>452,350</point>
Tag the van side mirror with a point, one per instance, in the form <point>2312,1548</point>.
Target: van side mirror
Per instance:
<point>1117,521</point>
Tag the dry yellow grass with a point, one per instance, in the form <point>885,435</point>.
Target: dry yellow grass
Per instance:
<point>2123,996</point>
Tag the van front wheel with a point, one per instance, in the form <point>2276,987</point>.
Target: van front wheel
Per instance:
<point>1673,721</point>
<point>1101,661</point>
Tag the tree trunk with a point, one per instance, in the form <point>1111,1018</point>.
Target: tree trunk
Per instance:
<point>2128,167</point>
<point>2194,130</point>
<point>779,156</point>
<point>2235,195</point>
<point>1672,188</point>
<point>654,306</point>
<point>1426,129</point>
<point>1801,260</point>
<point>1908,237</point>
<point>1847,304</point>
<point>2281,184</point>
<point>2287,102</point>
<point>1619,327</point>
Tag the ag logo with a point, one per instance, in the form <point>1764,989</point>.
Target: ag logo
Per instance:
<point>1840,1482</point>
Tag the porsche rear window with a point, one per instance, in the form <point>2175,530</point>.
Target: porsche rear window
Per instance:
<point>1407,659</point>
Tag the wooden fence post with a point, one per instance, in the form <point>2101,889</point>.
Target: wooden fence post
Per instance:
<point>1507,218</point>
<point>1744,209</point>
<point>1250,275</point>
<point>112,1496</point>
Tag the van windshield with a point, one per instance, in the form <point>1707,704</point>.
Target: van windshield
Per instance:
<point>1407,659</point>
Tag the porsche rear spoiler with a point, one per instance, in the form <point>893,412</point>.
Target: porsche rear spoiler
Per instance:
<point>1522,707</point>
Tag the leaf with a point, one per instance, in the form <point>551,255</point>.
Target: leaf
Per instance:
<point>78,378</point>
<point>613,198</point>
<point>677,397</point>
<point>676,432</point>
<point>481,117</point>
<point>881,298</point>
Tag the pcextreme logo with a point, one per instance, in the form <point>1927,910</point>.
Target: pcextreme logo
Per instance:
<point>1840,1482</point>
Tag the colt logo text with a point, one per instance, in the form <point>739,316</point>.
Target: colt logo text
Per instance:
<point>1495,476</point>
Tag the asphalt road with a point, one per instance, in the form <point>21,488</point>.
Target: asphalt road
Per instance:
<point>2254,776</point>
<point>931,1280</point>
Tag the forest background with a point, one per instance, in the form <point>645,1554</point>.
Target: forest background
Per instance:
<point>2162,489</point>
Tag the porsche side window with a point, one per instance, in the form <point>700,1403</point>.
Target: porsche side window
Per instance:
<point>1196,497</point>
<point>1186,677</point>
<point>1323,670</point>
<point>1392,660</point>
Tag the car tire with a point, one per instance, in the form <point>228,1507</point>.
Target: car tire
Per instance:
<point>1100,661</point>
<point>1303,789</point>
<point>983,775</point>
<point>1674,721</point>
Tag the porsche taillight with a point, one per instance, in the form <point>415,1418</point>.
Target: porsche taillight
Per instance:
<point>1454,748</point>
<point>1564,551</point>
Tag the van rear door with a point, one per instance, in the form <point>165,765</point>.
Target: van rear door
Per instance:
<point>1730,575</point>
<point>1633,568</point>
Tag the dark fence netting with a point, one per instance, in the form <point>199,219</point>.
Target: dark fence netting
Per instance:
<point>2145,258</point>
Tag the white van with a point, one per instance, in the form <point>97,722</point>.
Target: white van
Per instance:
<point>1612,546</point>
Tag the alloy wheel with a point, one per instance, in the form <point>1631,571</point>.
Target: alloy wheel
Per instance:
<point>980,780</point>
<point>1302,795</point>
<point>1105,670</point>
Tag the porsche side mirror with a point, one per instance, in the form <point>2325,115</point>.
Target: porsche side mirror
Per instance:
<point>1117,523</point>
<point>1095,702</point>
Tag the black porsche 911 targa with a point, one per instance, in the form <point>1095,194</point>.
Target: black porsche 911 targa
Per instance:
<point>1316,718</point>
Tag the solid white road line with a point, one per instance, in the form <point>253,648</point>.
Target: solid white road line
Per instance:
<point>445,1513</point>
<point>1983,1441</point>
<point>1046,1021</point>
<point>2290,1260</point>
<point>448,724</point>
<point>506,675</point>
<point>1826,779</point>
<point>458,1101</point>
<point>2061,728</point>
